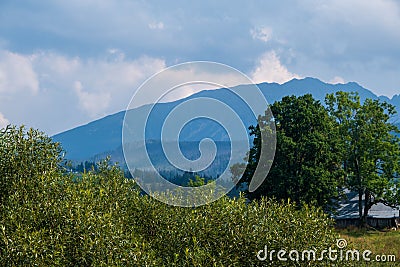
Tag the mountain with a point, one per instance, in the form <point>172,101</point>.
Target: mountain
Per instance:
<point>101,137</point>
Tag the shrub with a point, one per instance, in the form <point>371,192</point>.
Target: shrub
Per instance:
<point>100,218</point>
<point>25,154</point>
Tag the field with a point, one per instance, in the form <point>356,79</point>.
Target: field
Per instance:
<point>381,243</point>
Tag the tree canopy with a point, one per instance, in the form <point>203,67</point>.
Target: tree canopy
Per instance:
<point>306,167</point>
<point>324,149</point>
<point>371,150</point>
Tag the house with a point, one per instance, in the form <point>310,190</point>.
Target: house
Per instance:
<point>379,216</point>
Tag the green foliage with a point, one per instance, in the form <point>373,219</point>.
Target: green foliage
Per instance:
<point>230,232</point>
<point>371,151</point>
<point>59,221</point>
<point>25,155</point>
<point>306,165</point>
<point>101,219</point>
<point>320,150</point>
<point>196,182</point>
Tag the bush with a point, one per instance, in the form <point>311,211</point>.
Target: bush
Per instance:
<point>101,219</point>
<point>23,156</point>
<point>230,232</point>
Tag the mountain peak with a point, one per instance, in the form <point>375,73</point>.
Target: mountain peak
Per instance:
<point>304,80</point>
<point>104,135</point>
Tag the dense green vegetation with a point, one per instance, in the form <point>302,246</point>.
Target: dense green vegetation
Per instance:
<point>23,156</point>
<point>370,149</point>
<point>322,150</point>
<point>49,217</point>
<point>306,165</point>
<point>100,219</point>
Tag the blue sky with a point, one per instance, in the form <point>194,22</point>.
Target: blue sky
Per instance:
<point>65,63</point>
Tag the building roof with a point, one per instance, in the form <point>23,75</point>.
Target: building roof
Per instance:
<point>348,208</point>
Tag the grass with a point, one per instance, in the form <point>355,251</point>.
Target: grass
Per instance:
<point>385,242</point>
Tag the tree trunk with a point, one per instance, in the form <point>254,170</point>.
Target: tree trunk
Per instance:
<point>360,210</point>
<point>367,206</point>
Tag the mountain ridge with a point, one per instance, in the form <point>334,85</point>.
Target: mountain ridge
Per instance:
<point>99,136</point>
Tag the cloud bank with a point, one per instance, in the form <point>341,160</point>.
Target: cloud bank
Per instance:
<point>61,88</point>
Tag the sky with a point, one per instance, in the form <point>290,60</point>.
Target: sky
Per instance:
<point>66,63</point>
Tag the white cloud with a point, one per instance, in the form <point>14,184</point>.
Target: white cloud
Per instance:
<point>270,69</point>
<point>101,85</point>
<point>336,80</point>
<point>262,33</point>
<point>93,103</point>
<point>3,121</point>
<point>16,73</point>
<point>156,25</point>
<point>187,79</point>
<point>85,88</point>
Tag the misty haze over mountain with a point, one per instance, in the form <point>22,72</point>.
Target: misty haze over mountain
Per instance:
<point>102,137</point>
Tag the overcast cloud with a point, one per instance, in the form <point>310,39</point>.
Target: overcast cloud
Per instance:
<point>65,63</point>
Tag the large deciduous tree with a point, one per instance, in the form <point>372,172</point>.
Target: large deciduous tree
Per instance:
<point>306,167</point>
<point>371,154</point>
